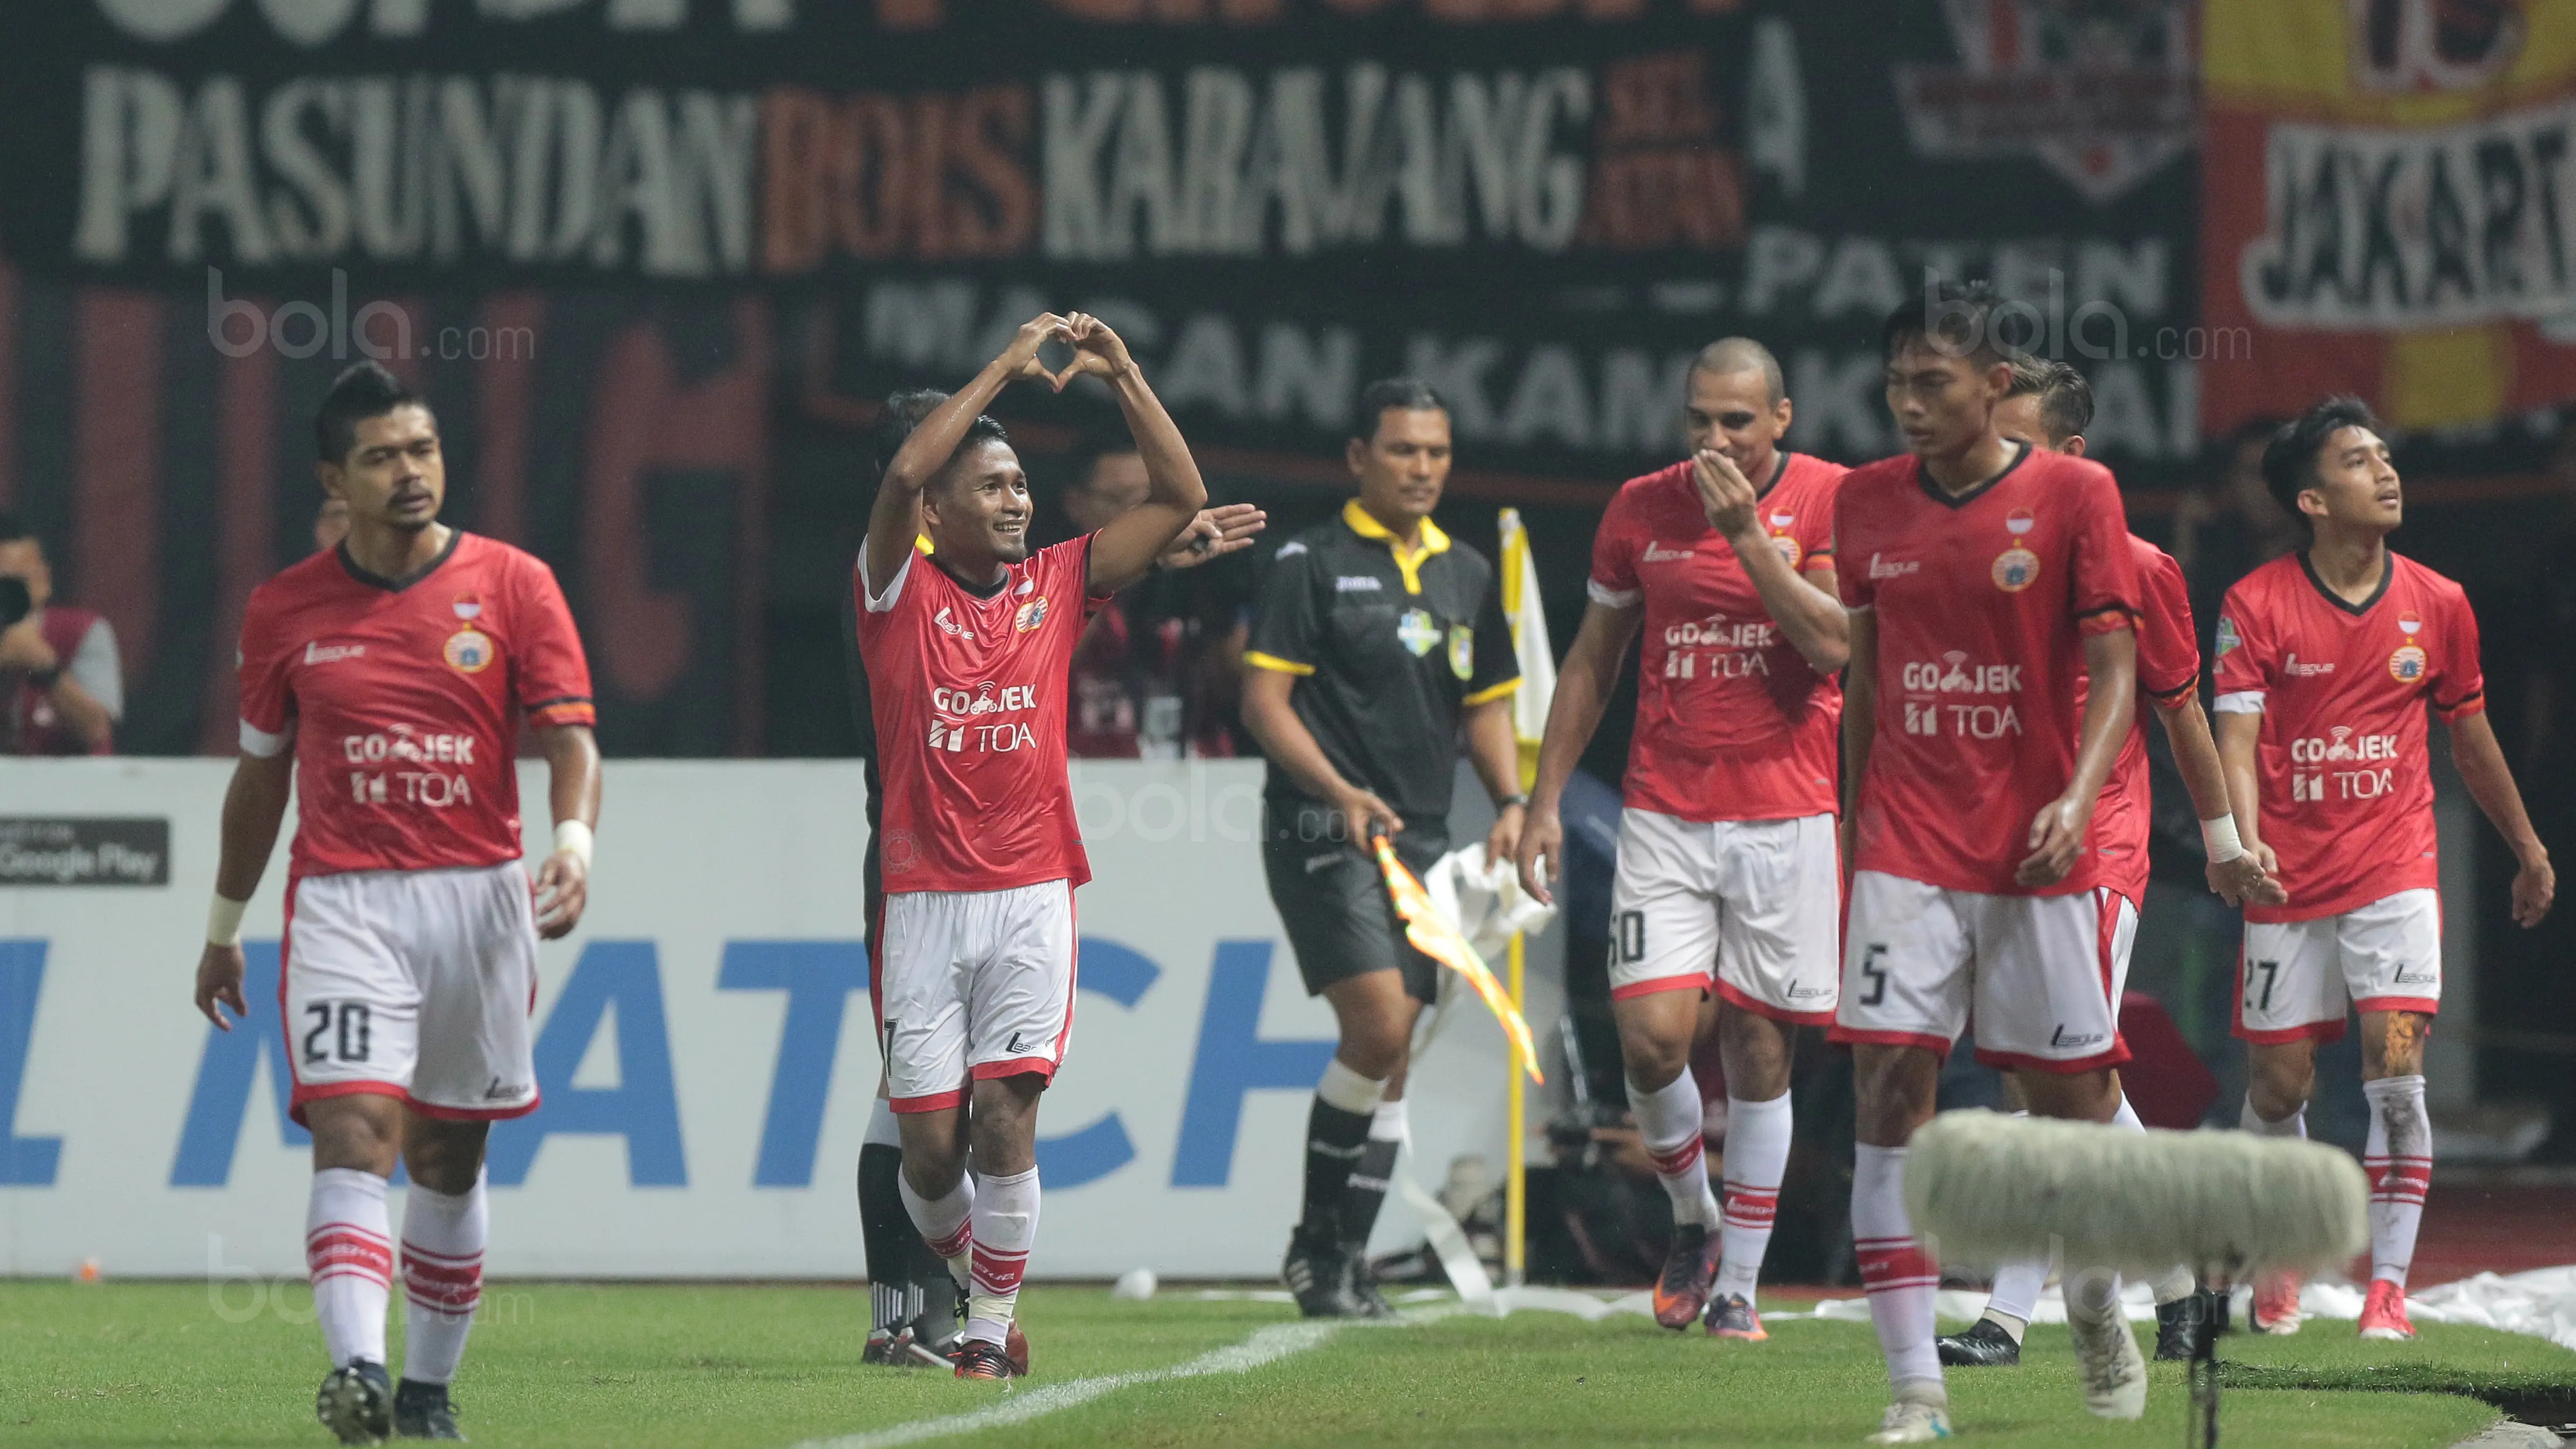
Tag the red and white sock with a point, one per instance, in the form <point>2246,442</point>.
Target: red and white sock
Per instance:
<point>2398,1158</point>
<point>1896,1270</point>
<point>1006,1227</point>
<point>1670,1120</point>
<point>442,1262</point>
<point>1757,1157</point>
<point>349,1253</point>
<point>947,1224</point>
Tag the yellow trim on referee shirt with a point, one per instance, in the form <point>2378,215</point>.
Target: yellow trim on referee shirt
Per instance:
<point>1495,692</point>
<point>1275,664</point>
<point>1408,561</point>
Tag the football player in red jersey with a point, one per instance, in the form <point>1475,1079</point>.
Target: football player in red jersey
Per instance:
<point>1983,577</point>
<point>385,680</point>
<point>2050,406</point>
<point>2327,660</point>
<point>967,650</point>
<point>1729,883</point>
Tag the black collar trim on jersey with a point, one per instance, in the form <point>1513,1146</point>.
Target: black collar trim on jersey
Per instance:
<point>2387,576</point>
<point>1946,499</point>
<point>980,591</point>
<point>1779,470</point>
<point>375,580</point>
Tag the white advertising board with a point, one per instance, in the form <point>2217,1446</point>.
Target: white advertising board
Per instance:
<point>704,1043</point>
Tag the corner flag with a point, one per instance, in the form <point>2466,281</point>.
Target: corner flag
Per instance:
<point>1529,643</point>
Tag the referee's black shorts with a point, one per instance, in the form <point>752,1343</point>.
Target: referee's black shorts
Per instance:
<point>1333,901</point>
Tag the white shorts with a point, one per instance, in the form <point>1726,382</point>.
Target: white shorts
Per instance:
<point>1747,908</point>
<point>974,984</point>
<point>415,984</point>
<point>2040,975</point>
<point>2297,978</point>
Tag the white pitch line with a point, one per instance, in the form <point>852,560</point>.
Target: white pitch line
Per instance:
<point>1267,1346</point>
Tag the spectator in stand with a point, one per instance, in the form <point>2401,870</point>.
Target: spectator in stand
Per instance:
<point>61,688</point>
<point>1157,674</point>
<point>2224,532</point>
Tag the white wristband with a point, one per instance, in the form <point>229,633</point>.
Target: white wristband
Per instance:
<point>223,922</point>
<point>2219,838</point>
<point>575,837</point>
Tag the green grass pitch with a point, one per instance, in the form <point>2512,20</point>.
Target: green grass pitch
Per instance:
<point>771,1366</point>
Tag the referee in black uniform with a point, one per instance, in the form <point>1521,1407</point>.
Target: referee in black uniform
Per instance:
<point>1375,638</point>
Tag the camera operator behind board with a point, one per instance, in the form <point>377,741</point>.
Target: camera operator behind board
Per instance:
<point>61,687</point>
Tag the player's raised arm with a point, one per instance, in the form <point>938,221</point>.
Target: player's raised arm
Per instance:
<point>1807,610</point>
<point>1127,545</point>
<point>1583,685</point>
<point>894,521</point>
<point>254,806</point>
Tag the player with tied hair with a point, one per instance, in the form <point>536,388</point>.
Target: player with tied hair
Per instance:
<point>2327,659</point>
<point>967,650</point>
<point>1729,884</point>
<point>2049,407</point>
<point>384,681</point>
<point>1378,643</point>
<point>1983,577</point>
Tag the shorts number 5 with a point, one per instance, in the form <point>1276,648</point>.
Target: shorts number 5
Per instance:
<point>1876,973</point>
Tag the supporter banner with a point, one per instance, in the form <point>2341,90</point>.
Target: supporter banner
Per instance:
<point>704,1045</point>
<point>1544,204</point>
<point>2388,208</point>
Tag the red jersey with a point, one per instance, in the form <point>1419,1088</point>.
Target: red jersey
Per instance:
<point>968,692</point>
<point>2345,795</point>
<point>402,699</point>
<point>1981,603</point>
<point>2168,669</point>
<point>1732,723</point>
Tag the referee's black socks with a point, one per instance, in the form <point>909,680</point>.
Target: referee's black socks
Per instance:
<point>1337,1131</point>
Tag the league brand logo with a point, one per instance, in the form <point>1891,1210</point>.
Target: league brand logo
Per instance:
<point>1462,651</point>
<point>1882,567</point>
<point>1657,553</point>
<point>1030,615</point>
<point>469,651</point>
<point>1417,631</point>
<point>331,653</point>
<point>2015,569</point>
<point>2228,638</point>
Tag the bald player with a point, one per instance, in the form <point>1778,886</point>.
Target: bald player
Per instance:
<point>1728,892</point>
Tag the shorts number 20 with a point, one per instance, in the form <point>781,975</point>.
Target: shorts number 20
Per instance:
<point>346,1023</point>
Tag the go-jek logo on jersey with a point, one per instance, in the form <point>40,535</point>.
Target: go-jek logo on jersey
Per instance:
<point>985,698</point>
<point>1953,674</point>
<point>2363,777</point>
<point>984,701</point>
<point>401,745</point>
<point>1715,630</point>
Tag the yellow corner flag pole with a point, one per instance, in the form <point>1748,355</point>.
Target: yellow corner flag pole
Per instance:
<point>1529,725</point>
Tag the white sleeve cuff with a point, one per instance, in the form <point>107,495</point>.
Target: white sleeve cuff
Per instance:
<point>260,743</point>
<point>879,603</point>
<point>2243,701</point>
<point>1610,598</point>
